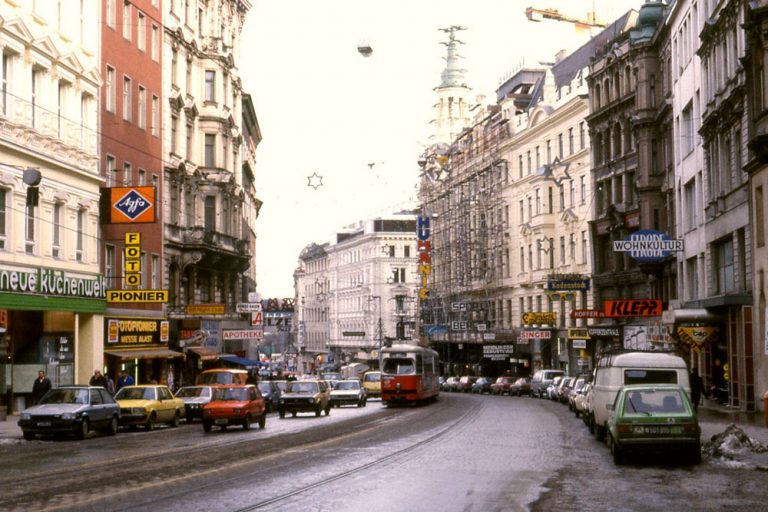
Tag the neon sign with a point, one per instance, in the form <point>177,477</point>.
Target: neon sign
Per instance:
<point>424,249</point>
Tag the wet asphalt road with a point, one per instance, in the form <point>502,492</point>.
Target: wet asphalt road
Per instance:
<point>463,453</point>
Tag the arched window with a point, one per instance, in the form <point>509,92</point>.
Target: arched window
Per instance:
<point>617,140</point>
<point>607,145</point>
<point>607,90</point>
<point>628,137</point>
<point>596,96</point>
<point>597,148</point>
<point>628,79</point>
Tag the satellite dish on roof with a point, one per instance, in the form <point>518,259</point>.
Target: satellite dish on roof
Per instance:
<point>364,49</point>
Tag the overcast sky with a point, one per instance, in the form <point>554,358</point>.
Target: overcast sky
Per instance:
<point>324,109</point>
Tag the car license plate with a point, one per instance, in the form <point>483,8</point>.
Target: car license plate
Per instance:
<point>43,423</point>
<point>222,421</point>
<point>655,430</point>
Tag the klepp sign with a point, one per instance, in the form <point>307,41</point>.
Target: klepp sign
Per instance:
<point>641,307</point>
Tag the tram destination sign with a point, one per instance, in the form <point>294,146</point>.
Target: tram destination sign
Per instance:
<point>648,245</point>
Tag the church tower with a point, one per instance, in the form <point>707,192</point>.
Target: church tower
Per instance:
<point>452,108</point>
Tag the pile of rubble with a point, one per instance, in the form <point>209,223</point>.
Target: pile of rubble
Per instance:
<point>733,444</point>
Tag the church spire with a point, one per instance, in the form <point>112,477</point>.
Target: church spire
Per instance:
<point>452,107</point>
<point>452,75</point>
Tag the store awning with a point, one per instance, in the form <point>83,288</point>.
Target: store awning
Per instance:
<point>205,354</point>
<point>694,315</point>
<point>146,353</point>
<point>248,364</point>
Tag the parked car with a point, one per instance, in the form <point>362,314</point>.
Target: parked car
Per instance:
<point>270,391</point>
<point>653,418</point>
<point>521,386</point>
<point>563,389</point>
<point>235,404</point>
<point>481,385</point>
<point>541,379</point>
<point>580,400</point>
<point>372,384</point>
<point>194,398</point>
<point>222,376</point>
<point>148,405</point>
<point>501,386</point>
<point>348,392</point>
<point>305,396</point>
<point>72,410</point>
<point>551,392</point>
<point>465,383</point>
<point>450,384</point>
<point>577,385</point>
<point>616,370</point>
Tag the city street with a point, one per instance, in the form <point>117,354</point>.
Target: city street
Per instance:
<point>466,452</point>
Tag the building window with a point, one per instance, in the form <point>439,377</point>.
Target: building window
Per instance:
<point>562,250</point>
<point>582,136</point>
<point>127,19</point>
<point>690,205</point>
<point>155,43</point>
<point>560,145</point>
<point>407,251</point>
<point>155,277</point>
<point>686,130</point>
<point>110,89</point>
<point>141,32</point>
<point>29,230</point>
<point>174,66</point>
<point>126,98</point>
<point>724,263</point>
<point>155,115</point>
<point>210,213</point>
<point>174,134</point>
<point>759,217</point>
<point>110,171</point>
<point>109,266</point>
<point>190,131</point>
<point>210,85</point>
<point>127,173</point>
<point>4,85</point>
<point>35,90</point>
<point>583,189</point>
<point>142,177</point>
<point>3,221</point>
<point>57,208</point>
<point>110,13</point>
<point>583,246</point>
<point>571,146</point>
<point>572,244</point>
<point>142,120</point>
<point>210,150</point>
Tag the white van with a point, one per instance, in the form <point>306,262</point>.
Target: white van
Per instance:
<point>541,381</point>
<point>616,370</point>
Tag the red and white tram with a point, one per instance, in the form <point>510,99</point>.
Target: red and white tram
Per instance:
<point>409,374</point>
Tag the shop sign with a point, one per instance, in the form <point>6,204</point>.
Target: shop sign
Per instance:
<point>579,343</point>
<point>567,282</point>
<point>424,251</point>
<point>458,307</point>
<point>137,295</point>
<point>641,307</point>
<point>534,318</point>
<point>4,318</point>
<point>242,334</point>
<point>432,329</point>
<point>131,205</point>
<point>544,334</point>
<point>697,336</point>
<point>587,313</point>
<point>604,332</point>
<point>248,307</point>
<point>578,333</point>
<point>205,309</point>
<point>648,245</point>
<point>48,281</point>
<point>497,352</point>
<point>136,331</point>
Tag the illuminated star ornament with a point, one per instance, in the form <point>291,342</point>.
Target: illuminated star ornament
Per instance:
<point>315,181</point>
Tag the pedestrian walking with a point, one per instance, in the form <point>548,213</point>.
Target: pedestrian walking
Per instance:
<point>696,387</point>
<point>41,386</point>
<point>124,380</point>
<point>110,385</point>
<point>98,379</point>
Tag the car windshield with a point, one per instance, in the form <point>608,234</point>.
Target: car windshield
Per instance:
<point>399,366</point>
<point>352,384</point>
<point>193,392</point>
<point>654,401</point>
<point>281,384</point>
<point>265,387</point>
<point>302,387</point>
<point>66,396</point>
<point>224,377</point>
<point>231,394</point>
<point>372,377</point>
<point>135,394</point>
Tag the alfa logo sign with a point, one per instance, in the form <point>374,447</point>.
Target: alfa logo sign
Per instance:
<point>129,205</point>
<point>648,245</point>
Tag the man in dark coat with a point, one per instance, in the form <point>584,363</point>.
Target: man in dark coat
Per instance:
<point>696,387</point>
<point>98,379</point>
<point>40,387</point>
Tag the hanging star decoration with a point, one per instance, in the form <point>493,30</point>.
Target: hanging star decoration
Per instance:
<point>315,181</point>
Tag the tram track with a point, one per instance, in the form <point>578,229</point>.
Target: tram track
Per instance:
<point>170,476</point>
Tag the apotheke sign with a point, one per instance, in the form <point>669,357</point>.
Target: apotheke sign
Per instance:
<point>48,281</point>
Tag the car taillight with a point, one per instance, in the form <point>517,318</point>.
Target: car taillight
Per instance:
<point>690,428</point>
<point>623,428</point>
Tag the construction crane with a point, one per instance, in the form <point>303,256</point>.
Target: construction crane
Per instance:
<point>534,14</point>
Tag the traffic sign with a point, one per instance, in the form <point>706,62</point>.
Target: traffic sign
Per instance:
<point>248,307</point>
